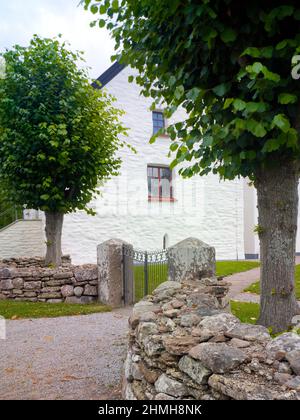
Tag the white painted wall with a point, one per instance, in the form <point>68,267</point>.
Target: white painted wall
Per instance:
<point>205,207</point>
<point>23,238</point>
<point>250,219</point>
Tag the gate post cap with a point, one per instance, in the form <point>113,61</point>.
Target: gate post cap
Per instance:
<point>114,241</point>
<point>191,243</point>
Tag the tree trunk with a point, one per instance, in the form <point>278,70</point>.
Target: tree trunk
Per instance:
<point>277,193</point>
<point>54,222</point>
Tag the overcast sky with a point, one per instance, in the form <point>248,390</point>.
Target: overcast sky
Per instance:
<point>20,19</point>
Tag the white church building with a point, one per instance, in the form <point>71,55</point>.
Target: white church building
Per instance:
<point>148,204</point>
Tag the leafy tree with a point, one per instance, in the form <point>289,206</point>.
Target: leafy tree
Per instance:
<point>58,135</point>
<point>228,64</point>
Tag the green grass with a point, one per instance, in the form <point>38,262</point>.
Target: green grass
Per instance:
<point>255,287</point>
<point>158,273</point>
<point>10,309</point>
<point>226,268</point>
<point>246,312</point>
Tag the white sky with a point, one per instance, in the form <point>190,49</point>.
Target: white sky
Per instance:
<point>20,19</point>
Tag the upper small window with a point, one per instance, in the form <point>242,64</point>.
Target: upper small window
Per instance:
<point>158,121</point>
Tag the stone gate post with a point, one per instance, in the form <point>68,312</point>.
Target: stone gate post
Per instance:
<point>112,289</point>
<point>191,259</point>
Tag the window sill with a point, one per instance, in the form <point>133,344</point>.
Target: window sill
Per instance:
<point>161,200</point>
<point>166,136</point>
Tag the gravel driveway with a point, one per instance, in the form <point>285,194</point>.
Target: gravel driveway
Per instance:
<point>77,357</point>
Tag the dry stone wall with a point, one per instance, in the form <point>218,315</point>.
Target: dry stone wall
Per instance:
<point>27,279</point>
<point>184,345</point>
<point>29,262</point>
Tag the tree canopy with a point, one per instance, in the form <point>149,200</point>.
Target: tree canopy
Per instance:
<point>58,134</point>
<point>227,63</point>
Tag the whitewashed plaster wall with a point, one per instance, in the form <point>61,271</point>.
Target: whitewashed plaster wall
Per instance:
<point>204,208</point>
<point>251,219</point>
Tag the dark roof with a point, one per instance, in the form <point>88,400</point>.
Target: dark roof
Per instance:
<point>109,74</point>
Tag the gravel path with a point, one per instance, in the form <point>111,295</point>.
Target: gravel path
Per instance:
<point>77,357</point>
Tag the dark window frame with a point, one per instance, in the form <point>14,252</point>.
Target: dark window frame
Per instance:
<point>159,176</point>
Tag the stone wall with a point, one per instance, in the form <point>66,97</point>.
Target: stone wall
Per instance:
<point>28,262</point>
<point>28,280</point>
<point>184,345</point>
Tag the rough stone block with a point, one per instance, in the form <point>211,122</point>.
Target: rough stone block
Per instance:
<point>5,273</point>
<point>6,284</point>
<point>194,369</point>
<point>90,290</point>
<point>31,285</point>
<point>87,272</point>
<point>218,357</point>
<point>191,259</point>
<point>169,386</point>
<point>110,273</point>
<point>52,295</point>
<point>78,291</point>
<point>18,283</point>
<point>67,290</point>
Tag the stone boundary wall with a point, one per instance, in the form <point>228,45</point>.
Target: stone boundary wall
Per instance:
<point>27,280</point>
<point>184,345</point>
<point>29,262</point>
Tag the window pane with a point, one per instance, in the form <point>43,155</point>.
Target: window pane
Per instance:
<point>153,187</point>
<point>165,173</point>
<point>158,121</point>
<point>165,188</point>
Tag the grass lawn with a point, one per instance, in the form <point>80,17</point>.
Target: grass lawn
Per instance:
<point>158,273</point>
<point>255,287</point>
<point>10,309</point>
<point>226,268</point>
<point>248,312</point>
<point>245,311</point>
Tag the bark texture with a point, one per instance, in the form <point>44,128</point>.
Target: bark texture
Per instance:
<point>54,222</point>
<point>277,193</point>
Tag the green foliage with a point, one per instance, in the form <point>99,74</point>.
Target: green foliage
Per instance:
<point>228,64</point>
<point>8,211</point>
<point>258,229</point>
<point>59,136</point>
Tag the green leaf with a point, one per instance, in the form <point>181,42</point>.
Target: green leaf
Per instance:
<point>256,128</point>
<point>281,121</point>
<point>221,89</point>
<point>239,104</point>
<point>179,91</point>
<point>227,103</point>
<point>228,35</point>
<point>287,98</point>
<point>271,145</point>
<point>193,94</point>
<point>257,67</point>
<point>101,23</point>
<point>94,9</point>
<point>45,197</point>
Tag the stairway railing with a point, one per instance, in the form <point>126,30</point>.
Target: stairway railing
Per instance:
<point>10,215</point>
